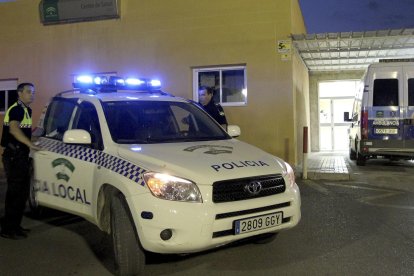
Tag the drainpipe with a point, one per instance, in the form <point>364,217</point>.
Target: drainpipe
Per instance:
<point>305,153</point>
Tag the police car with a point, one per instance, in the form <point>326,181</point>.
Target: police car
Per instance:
<point>156,171</point>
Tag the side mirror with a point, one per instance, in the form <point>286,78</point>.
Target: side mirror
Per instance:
<point>76,136</point>
<point>346,117</point>
<point>233,130</point>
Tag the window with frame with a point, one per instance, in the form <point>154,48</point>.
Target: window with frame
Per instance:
<point>86,118</point>
<point>228,83</point>
<point>8,94</point>
<point>411,92</point>
<point>385,92</point>
<point>58,117</point>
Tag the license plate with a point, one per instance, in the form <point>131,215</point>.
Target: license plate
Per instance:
<point>386,131</point>
<point>257,223</point>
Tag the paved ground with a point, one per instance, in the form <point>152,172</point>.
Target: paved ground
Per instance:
<point>360,226</point>
<point>327,165</point>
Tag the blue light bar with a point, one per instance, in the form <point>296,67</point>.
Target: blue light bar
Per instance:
<point>134,81</point>
<point>100,80</point>
<point>113,80</point>
<point>84,79</point>
<point>155,83</point>
<point>114,83</point>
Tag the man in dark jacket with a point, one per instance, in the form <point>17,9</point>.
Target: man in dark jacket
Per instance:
<point>205,98</point>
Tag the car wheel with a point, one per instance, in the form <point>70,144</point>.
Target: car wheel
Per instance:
<point>360,160</point>
<point>352,154</point>
<point>265,238</point>
<point>129,255</point>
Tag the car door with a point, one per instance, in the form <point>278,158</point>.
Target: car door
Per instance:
<point>385,116</point>
<point>64,173</point>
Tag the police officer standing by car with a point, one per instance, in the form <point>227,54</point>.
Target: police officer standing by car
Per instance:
<point>205,98</point>
<point>16,140</point>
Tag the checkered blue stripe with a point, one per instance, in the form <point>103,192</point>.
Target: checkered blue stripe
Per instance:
<point>110,162</point>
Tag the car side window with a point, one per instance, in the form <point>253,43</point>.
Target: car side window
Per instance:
<point>58,118</point>
<point>86,118</point>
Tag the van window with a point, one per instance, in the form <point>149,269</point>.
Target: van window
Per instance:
<point>411,92</point>
<point>385,92</point>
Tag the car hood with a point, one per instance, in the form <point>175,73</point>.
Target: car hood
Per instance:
<point>203,162</point>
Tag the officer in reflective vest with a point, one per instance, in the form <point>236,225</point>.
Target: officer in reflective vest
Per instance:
<point>16,140</point>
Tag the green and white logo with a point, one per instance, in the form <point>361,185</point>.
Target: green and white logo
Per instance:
<point>63,168</point>
<point>50,10</point>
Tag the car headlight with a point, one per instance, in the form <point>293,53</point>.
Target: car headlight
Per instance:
<point>290,174</point>
<point>169,187</point>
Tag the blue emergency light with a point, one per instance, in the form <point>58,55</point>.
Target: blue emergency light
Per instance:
<point>113,83</point>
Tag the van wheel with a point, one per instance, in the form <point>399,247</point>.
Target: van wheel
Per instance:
<point>35,210</point>
<point>360,160</point>
<point>352,154</point>
<point>129,255</point>
<point>265,238</point>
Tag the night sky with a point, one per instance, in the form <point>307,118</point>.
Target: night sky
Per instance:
<point>323,16</point>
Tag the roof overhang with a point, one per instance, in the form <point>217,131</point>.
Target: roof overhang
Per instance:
<point>353,50</point>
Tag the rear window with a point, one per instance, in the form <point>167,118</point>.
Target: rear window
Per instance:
<point>385,92</point>
<point>411,92</point>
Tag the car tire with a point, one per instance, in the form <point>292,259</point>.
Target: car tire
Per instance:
<point>265,238</point>
<point>352,154</point>
<point>360,160</point>
<point>128,253</point>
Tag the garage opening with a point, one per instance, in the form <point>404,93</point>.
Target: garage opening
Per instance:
<point>335,98</point>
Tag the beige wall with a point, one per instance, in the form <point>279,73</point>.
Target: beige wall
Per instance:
<point>166,39</point>
<point>300,86</point>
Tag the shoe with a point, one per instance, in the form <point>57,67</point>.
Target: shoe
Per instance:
<point>26,230</point>
<point>13,236</point>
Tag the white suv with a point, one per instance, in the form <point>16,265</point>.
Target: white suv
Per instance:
<point>156,171</point>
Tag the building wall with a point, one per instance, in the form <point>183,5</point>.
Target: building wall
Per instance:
<point>300,91</point>
<point>166,39</point>
<point>314,79</point>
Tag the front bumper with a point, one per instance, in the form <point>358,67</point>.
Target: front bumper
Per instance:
<point>201,226</point>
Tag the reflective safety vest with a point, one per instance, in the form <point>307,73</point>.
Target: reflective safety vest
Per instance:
<point>27,120</point>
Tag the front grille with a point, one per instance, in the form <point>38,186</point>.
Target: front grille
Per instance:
<point>248,188</point>
<point>252,211</point>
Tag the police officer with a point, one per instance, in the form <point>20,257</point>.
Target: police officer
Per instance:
<point>16,140</point>
<point>205,98</point>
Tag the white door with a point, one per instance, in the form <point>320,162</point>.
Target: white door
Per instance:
<point>335,98</point>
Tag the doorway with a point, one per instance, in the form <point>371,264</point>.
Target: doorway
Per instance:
<point>335,98</point>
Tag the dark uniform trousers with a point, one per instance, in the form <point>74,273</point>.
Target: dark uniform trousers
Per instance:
<point>16,165</point>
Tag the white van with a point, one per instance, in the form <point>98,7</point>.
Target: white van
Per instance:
<point>383,113</point>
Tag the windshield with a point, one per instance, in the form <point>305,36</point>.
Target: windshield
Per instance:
<point>147,122</point>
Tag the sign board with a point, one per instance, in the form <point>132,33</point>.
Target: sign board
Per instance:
<point>284,46</point>
<point>67,11</point>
